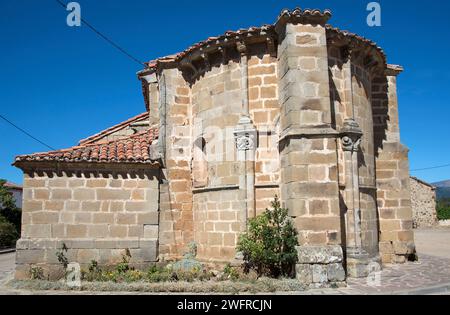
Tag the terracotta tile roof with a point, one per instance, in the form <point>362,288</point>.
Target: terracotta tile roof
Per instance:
<point>134,149</point>
<point>122,125</point>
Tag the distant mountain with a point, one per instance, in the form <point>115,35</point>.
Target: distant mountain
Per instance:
<point>443,189</point>
<point>445,183</point>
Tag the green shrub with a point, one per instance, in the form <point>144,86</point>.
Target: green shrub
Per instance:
<point>443,209</point>
<point>230,273</point>
<point>61,256</point>
<point>8,234</point>
<point>158,274</point>
<point>124,266</point>
<point>269,245</point>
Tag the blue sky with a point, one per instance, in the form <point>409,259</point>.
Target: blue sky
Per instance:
<point>63,84</point>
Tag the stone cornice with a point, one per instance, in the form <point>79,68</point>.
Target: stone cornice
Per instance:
<point>375,58</point>
<point>393,70</point>
<point>30,167</point>
<point>299,16</point>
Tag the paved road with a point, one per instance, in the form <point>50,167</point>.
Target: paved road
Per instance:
<point>433,242</point>
<point>6,266</point>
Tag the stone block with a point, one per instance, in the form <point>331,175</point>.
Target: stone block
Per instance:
<point>79,244</point>
<point>92,206</point>
<point>151,231</point>
<point>84,194</point>
<point>113,194</point>
<point>36,244</point>
<point>29,256</point>
<point>22,244</point>
<point>357,268</point>
<point>327,254</point>
<point>130,244</point>
<point>61,194</point>
<point>106,244</point>
<point>126,218</point>
<point>103,218</point>
<point>96,183</point>
<point>133,206</point>
<point>85,256</point>
<point>317,223</point>
<point>98,231</point>
<point>135,230</point>
<point>119,231</point>
<point>45,217</point>
<point>336,273</point>
<point>319,274</point>
<point>148,252</point>
<point>76,231</point>
<point>37,231</point>
<point>304,273</point>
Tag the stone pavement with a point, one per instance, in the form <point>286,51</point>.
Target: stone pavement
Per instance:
<point>434,242</point>
<point>6,267</point>
<point>430,275</point>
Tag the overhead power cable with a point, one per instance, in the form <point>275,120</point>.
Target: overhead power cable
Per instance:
<point>430,168</point>
<point>106,38</point>
<point>26,133</point>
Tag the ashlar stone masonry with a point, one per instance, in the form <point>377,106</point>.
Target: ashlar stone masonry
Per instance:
<point>297,109</point>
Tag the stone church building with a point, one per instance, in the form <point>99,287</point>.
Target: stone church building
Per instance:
<point>296,109</point>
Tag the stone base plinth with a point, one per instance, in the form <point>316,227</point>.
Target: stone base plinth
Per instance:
<point>320,266</point>
<point>360,264</point>
<point>43,254</point>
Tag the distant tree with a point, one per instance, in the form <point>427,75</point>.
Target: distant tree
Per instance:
<point>443,209</point>
<point>8,209</point>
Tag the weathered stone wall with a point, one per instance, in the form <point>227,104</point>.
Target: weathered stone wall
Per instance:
<point>308,161</point>
<point>175,142</point>
<point>97,216</point>
<point>265,113</point>
<point>392,174</point>
<point>362,111</point>
<point>217,97</point>
<point>308,151</point>
<point>218,221</point>
<point>423,199</point>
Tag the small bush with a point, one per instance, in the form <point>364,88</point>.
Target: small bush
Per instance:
<point>158,274</point>
<point>8,234</point>
<point>269,245</point>
<point>231,273</point>
<point>61,256</point>
<point>124,266</point>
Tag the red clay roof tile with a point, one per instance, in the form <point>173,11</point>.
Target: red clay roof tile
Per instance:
<point>134,149</point>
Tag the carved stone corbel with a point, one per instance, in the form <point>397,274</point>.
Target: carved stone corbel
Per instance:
<point>241,48</point>
<point>351,136</point>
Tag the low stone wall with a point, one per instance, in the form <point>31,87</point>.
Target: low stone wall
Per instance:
<point>96,216</point>
<point>423,198</point>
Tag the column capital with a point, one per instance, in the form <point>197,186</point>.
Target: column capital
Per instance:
<point>351,136</point>
<point>245,135</point>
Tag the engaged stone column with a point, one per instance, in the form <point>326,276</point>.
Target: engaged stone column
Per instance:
<point>357,257</point>
<point>246,139</point>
